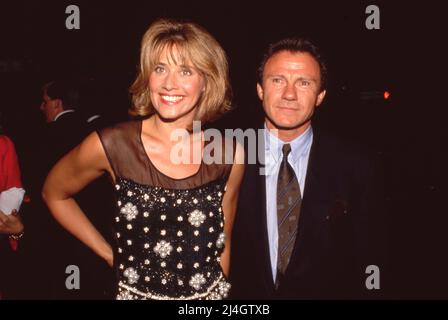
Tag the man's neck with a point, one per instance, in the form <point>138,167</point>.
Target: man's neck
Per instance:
<point>287,135</point>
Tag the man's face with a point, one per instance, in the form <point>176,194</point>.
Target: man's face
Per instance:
<point>50,107</point>
<point>290,90</point>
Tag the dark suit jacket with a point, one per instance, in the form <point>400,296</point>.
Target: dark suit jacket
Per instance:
<point>95,200</point>
<point>51,245</point>
<point>65,133</point>
<point>341,230</point>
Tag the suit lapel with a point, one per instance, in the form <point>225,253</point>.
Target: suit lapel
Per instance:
<point>315,203</point>
<point>262,230</point>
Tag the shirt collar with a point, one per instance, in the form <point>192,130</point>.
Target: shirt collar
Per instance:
<point>299,145</point>
<point>63,112</point>
<point>93,118</point>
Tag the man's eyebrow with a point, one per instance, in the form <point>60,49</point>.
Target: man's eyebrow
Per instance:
<point>275,75</point>
<point>307,78</point>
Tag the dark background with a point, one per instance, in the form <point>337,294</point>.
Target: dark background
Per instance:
<point>404,57</point>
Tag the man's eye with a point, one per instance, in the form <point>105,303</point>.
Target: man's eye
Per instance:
<point>305,83</point>
<point>277,80</point>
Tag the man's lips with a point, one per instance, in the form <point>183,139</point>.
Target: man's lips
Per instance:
<point>287,108</point>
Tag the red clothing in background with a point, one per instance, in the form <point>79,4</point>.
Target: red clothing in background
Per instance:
<point>9,165</point>
<point>9,171</point>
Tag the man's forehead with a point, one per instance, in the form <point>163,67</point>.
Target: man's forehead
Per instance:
<point>296,60</point>
<point>292,62</point>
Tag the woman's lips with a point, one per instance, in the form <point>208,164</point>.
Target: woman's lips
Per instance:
<point>171,99</point>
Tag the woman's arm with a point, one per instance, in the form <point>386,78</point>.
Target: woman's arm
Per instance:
<point>229,204</point>
<point>72,173</point>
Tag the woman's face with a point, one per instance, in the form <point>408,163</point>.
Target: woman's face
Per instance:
<point>175,88</point>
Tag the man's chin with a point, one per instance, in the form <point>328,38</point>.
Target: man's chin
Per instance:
<point>286,126</point>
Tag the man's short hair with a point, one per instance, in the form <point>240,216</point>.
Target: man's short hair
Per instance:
<point>295,45</point>
<point>65,91</point>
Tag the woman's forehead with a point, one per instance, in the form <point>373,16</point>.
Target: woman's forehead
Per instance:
<point>175,54</point>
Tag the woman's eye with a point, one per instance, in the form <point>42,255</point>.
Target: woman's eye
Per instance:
<point>159,69</point>
<point>186,72</point>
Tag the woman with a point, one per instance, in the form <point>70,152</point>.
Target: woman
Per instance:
<point>174,221</point>
<point>11,191</point>
<point>11,196</point>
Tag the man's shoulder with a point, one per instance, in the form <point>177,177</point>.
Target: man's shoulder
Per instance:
<point>339,144</point>
<point>342,150</point>
<point>69,116</point>
<point>70,123</point>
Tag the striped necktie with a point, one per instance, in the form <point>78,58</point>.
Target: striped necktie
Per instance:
<point>288,210</point>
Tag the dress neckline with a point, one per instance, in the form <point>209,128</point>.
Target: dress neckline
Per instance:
<point>151,164</point>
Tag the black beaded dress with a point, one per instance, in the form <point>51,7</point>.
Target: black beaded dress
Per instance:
<point>169,232</point>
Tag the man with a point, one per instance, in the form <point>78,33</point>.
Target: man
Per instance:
<point>304,229</point>
<point>95,106</point>
<point>66,127</point>
<point>51,245</point>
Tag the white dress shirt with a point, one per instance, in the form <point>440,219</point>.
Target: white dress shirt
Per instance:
<point>298,159</point>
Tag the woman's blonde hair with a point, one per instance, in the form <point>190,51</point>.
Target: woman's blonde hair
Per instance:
<point>193,43</point>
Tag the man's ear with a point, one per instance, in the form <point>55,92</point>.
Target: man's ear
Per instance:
<point>260,91</point>
<point>59,105</point>
<point>320,97</point>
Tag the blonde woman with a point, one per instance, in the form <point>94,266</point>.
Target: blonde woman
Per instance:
<point>173,221</point>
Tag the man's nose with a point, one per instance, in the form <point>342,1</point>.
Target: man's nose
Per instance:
<point>290,92</point>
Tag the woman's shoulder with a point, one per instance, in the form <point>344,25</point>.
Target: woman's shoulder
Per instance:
<point>122,126</point>
<point>120,130</point>
<point>5,139</point>
<point>221,156</point>
<point>6,143</point>
<point>233,150</point>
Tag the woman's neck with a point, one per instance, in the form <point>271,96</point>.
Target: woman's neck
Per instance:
<point>166,130</point>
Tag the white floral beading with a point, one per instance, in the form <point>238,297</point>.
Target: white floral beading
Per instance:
<point>163,248</point>
<point>124,295</point>
<point>197,281</point>
<point>132,275</point>
<point>196,218</point>
<point>130,211</point>
<point>214,296</point>
<point>224,288</point>
<point>221,240</point>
